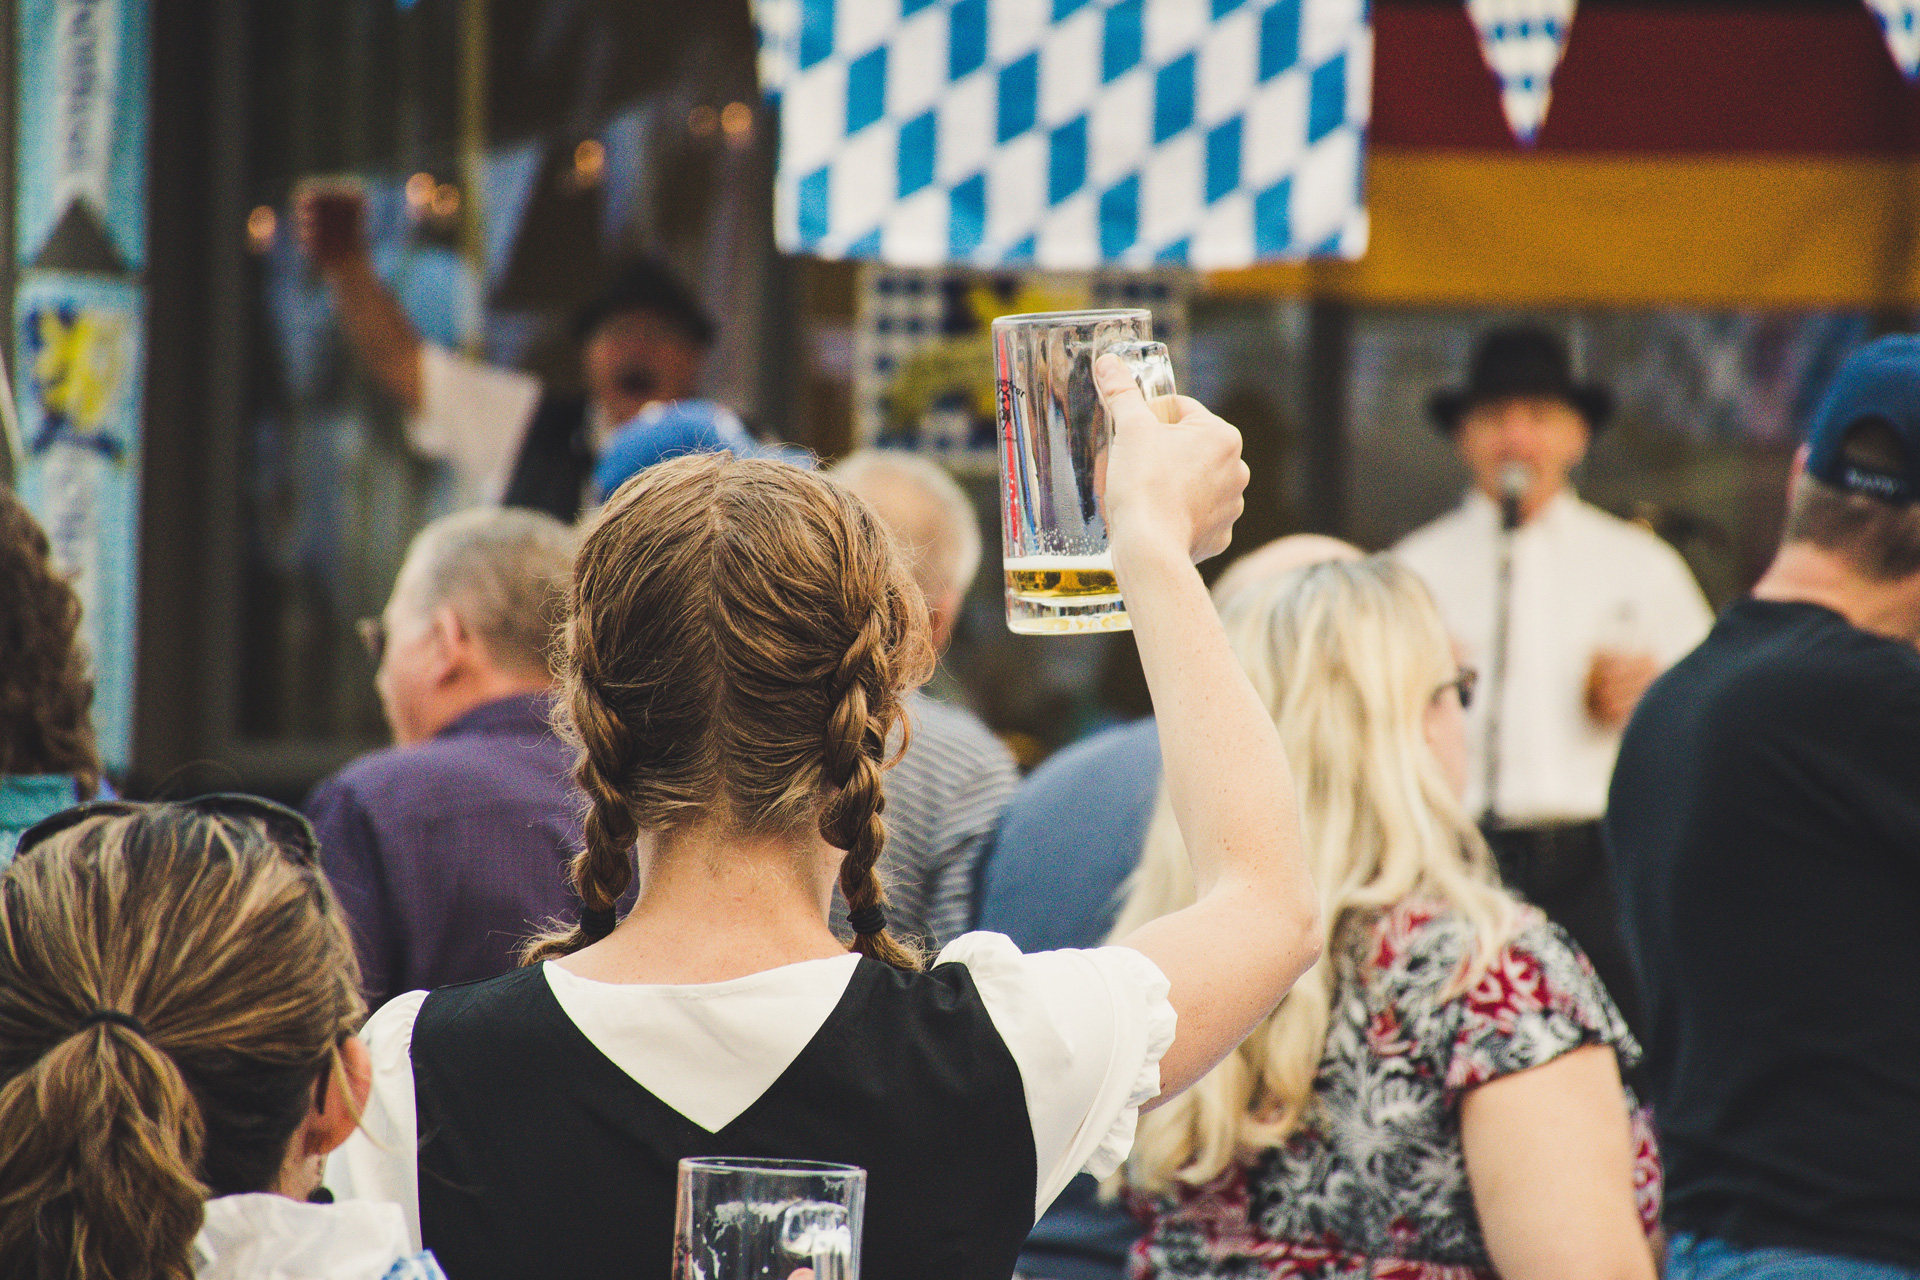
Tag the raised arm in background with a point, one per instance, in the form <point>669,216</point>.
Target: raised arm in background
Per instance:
<point>375,322</point>
<point>1234,953</point>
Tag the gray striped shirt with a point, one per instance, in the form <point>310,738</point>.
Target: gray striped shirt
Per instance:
<point>944,800</point>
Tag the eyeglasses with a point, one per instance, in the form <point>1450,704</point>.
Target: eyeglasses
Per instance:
<point>373,634</point>
<point>287,828</point>
<point>1464,681</point>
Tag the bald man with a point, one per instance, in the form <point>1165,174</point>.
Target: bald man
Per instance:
<point>1068,842</point>
<point>945,796</point>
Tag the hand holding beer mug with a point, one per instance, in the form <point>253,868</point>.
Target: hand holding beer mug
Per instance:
<point>331,214</point>
<point>1176,486</point>
<point>1054,437</point>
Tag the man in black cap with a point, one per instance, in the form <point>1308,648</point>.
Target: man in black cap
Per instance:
<point>1567,612</point>
<point>510,438</point>
<point>1765,818</point>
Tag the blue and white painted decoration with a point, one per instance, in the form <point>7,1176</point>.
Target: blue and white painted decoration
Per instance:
<point>1900,23</point>
<point>1522,41</point>
<point>77,349</point>
<point>79,343</point>
<point>1069,134</point>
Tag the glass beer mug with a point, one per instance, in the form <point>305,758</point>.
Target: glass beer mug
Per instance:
<point>1054,434</point>
<point>740,1219</point>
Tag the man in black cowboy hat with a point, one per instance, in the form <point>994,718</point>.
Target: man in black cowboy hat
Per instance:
<point>1568,613</point>
<point>510,438</point>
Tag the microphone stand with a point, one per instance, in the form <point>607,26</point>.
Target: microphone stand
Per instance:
<point>1502,623</point>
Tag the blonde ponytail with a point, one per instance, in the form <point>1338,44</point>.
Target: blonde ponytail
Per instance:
<point>173,987</point>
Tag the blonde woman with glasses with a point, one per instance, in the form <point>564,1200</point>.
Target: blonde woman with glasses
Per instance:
<point>1440,1096</point>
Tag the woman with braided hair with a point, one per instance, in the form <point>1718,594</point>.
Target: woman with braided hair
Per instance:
<point>741,634</point>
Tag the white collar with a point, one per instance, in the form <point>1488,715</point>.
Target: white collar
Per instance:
<point>708,1050</point>
<point>269,1237</point>
<point>1485,510</point>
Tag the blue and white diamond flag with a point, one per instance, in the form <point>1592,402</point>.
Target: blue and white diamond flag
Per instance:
<point>1069,133</point>
<point>1900,24</point>
<point>1522,41</point>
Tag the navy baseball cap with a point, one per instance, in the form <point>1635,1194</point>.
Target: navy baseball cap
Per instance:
<point>1878,383</point>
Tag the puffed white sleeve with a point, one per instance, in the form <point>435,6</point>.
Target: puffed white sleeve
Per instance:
<point>1087,1029</point>
<point>379,1161</point>
<point>1679,614</point>
<point>472,416</point>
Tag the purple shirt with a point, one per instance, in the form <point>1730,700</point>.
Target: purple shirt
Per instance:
<point>448,854</point>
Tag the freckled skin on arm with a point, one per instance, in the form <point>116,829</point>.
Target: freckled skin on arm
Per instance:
<point>1550,1158</point>
<point>1172,494</point>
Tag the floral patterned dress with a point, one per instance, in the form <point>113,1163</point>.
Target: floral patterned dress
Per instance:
<point>1375,1183</point>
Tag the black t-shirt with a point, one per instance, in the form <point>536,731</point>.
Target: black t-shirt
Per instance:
<point>1765,825</point>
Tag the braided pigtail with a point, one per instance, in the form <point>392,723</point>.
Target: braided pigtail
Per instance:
<point>603,869</point>
<point>859,719</point>
<point>739,638</point>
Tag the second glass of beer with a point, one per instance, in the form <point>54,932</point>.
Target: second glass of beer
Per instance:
<point>1054,434</point>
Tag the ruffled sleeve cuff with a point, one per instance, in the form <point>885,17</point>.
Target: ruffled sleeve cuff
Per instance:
<point>1141,979</point>
<point>1087,1030</point>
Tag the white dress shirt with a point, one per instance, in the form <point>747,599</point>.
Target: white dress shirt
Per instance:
<point>1583,581</point>
<point>1085,1028</point>
<point>475,416</point>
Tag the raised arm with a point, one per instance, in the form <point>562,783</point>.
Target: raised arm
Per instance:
<point>375,322</point>
<point>1172,495</point>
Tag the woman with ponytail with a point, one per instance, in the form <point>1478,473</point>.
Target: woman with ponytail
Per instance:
<point>741,634</point>
<point>1439,1098</point>
<point>178,997</point>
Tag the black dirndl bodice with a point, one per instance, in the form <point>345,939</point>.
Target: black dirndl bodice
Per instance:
<point>540,1157</point>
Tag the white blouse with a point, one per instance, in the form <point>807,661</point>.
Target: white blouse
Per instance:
<point>1086,1029</point>
<point>260,1236</point>
<point>475,416</point>
<point>1583,581</point>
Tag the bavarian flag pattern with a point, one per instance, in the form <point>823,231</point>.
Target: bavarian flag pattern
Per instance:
<point>1069,133</point>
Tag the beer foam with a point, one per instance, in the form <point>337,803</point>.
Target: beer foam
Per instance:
<point>1102,563</point>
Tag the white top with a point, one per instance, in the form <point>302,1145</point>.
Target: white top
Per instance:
<point>269,1237</point>
<point>1583,581</point>
<point>1086,1029</point>
<point>475,416</point>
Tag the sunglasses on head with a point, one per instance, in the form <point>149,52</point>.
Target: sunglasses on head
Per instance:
<point>287,828</point>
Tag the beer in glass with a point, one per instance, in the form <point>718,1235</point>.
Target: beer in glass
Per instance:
<point>332,209</point>
<point>1054,433</point>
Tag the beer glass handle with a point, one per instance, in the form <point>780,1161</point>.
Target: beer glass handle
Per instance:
<point>1152,372</point>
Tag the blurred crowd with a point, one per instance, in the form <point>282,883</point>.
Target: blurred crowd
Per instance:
<point>1482,907</point>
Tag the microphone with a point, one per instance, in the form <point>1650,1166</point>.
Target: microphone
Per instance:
<point>1515,479</point>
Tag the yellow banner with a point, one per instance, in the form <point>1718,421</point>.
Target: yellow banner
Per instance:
<point>1463,228</point>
